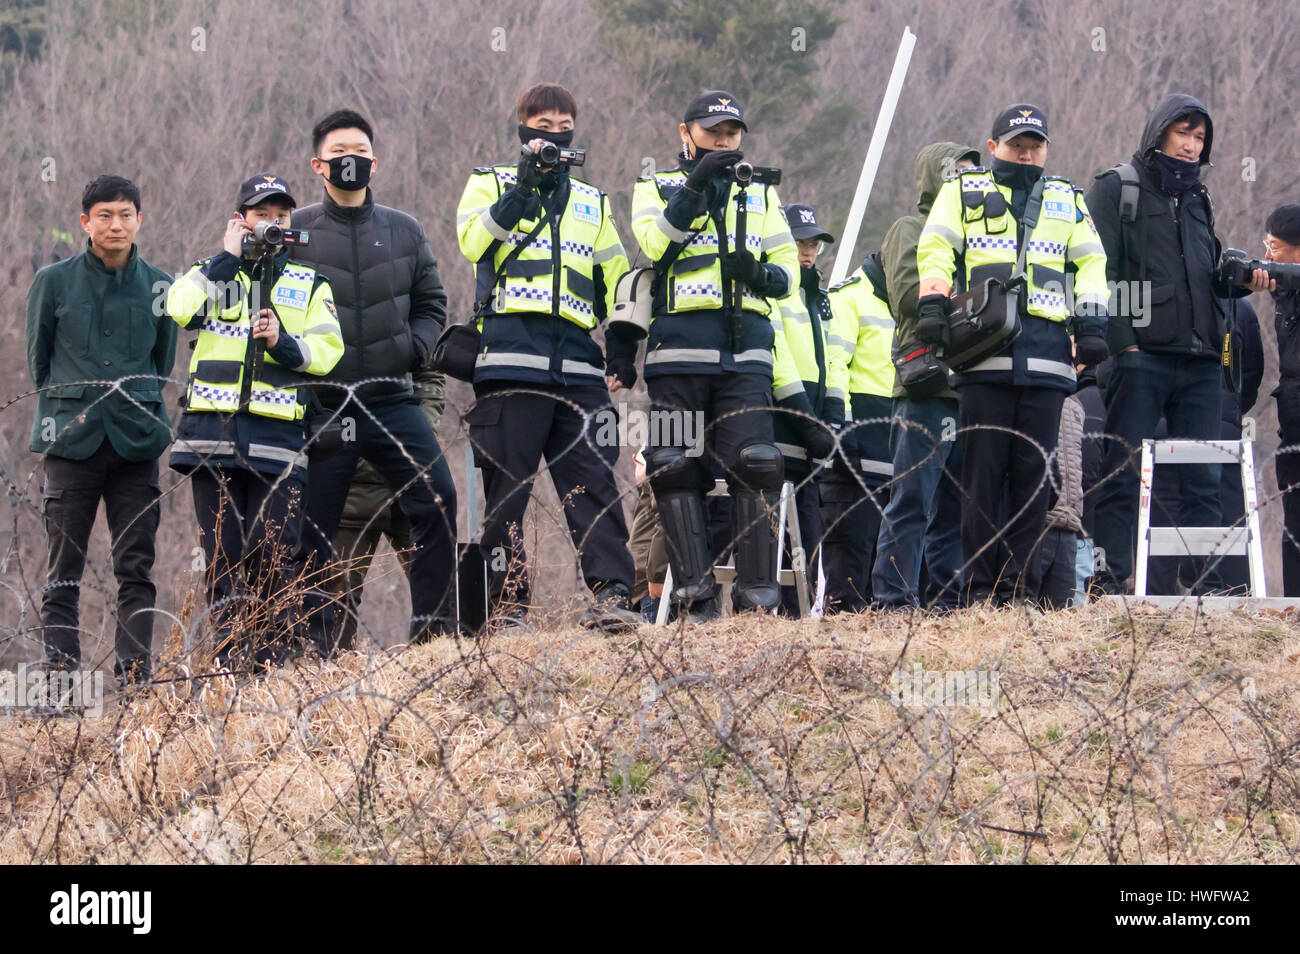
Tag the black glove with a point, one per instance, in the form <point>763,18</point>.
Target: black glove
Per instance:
<point>709,165</point>
<point>932,321</point>
<point>620,354</point>
<point>527,175</point>
<point>816,437</point>
<point>743,266</point>
<point>1090,350</point>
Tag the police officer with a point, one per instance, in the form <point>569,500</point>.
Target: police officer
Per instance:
<point>857,488</point>
<point>1010,403</point>
<point>547,258</point>
<point>264,323</point>
<point>819,359</point>
<point>710,350</point>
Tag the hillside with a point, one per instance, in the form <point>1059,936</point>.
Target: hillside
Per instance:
<point>1150,737</point>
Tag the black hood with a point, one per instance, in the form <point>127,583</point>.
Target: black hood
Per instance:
<point>1169,109</point>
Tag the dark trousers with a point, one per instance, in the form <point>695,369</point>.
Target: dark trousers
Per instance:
<point>576,433</point>
<point>1288,482</point>
<point>1055,570</point>
<point>807,504</point>
<point>249,525</point>
<point>356,545</point>
<point>1009,433</point>
<point>71,494</point>
<point>1144,387</point>
<point>923,516</point>
<point>734,411</point>
<point>851,516</point>
<point>395,437</point>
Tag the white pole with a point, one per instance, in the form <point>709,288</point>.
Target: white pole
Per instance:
<point>844,257</point>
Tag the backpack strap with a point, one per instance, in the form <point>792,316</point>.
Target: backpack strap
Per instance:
<point>875,273</point>
<point>1130,190</point>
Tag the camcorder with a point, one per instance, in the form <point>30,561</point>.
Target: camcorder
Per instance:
<point>1235,268</point>
<point>267,238</point>
<point>552,155</point>
<point>744,173</point>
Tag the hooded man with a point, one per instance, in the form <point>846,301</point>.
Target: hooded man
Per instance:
<point>1157,225</point>
<point>924,511</point>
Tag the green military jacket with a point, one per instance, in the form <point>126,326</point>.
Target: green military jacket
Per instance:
<point>88,323</point>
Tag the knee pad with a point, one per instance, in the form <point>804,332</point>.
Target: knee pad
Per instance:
<point>672,471</point>
<point>759,467</point>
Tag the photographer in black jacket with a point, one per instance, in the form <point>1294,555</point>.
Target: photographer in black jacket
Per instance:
<point>391,309</point>
<point>1283,245</point>
<point>1167,322</point>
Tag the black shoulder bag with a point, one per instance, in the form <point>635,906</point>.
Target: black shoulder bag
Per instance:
<point>986,319</point>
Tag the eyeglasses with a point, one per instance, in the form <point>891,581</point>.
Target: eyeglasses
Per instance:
<point>1275,245</point>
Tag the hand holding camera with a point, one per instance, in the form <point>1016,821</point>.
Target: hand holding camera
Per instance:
<point>710,164</point>
<point>266,325</point>
<point>1236,269</point>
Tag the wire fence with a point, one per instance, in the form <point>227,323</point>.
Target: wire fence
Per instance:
<point>1107,734</point>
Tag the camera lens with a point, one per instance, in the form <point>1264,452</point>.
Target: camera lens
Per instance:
<point>549,154</point>
<point>743,171</point>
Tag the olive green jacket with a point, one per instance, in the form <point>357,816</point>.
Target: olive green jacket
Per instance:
<point>87,323</point>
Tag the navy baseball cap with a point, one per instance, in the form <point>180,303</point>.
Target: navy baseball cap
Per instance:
<point>261,187</point>
<point>715,106</point>
<point>803,222</point>
<point>1020,118</point>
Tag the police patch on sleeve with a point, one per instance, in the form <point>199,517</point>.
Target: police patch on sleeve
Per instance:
<point>329,306</point>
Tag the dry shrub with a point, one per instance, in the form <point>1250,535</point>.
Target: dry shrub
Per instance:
<point>1117,737</point>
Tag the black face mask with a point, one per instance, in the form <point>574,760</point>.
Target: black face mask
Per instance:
<point>809,277</point>
<point>350,173</point>
<point>562,139</point>
<point>1177,175</point>
<point>1015,175</point>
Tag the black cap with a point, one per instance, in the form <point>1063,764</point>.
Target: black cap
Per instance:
<point>803,222</point>
<point>1020,118</point>
<point>715,106</point>
<point>262,187</point>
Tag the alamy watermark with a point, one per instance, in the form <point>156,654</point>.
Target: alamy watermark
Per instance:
<point>80,691</point>
<point>937,688</point>
<point>658,427</point>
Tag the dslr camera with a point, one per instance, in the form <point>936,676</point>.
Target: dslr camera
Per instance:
<point>746,173</point>
<point>552,155</point>
<point>1235,268</point>
<point>267,238</point>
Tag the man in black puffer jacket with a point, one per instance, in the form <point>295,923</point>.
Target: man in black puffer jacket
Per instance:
<point>1166,329</point>
<point>391,307</point>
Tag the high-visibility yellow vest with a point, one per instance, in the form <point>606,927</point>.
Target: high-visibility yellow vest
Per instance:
<point>304,305</point>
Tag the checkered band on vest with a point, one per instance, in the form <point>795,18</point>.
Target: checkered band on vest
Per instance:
<point>990,241</point>
<point>227,329</point>
<point>1047,248</point>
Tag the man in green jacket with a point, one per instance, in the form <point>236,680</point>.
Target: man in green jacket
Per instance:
<point>98,317</point>
<point>923,517</point>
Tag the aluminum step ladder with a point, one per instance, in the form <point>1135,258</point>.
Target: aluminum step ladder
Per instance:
<point>1243,540</point>
<point>796,575</point>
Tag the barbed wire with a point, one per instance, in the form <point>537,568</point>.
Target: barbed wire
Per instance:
<point>1112,733</point>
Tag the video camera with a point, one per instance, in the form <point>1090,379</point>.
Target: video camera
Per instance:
<point>551,155</point>
<point>267,238</point>
<point>744,173</point>
<point>1235,268</point>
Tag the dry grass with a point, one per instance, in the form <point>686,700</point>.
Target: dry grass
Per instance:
<point>1150,738</point>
